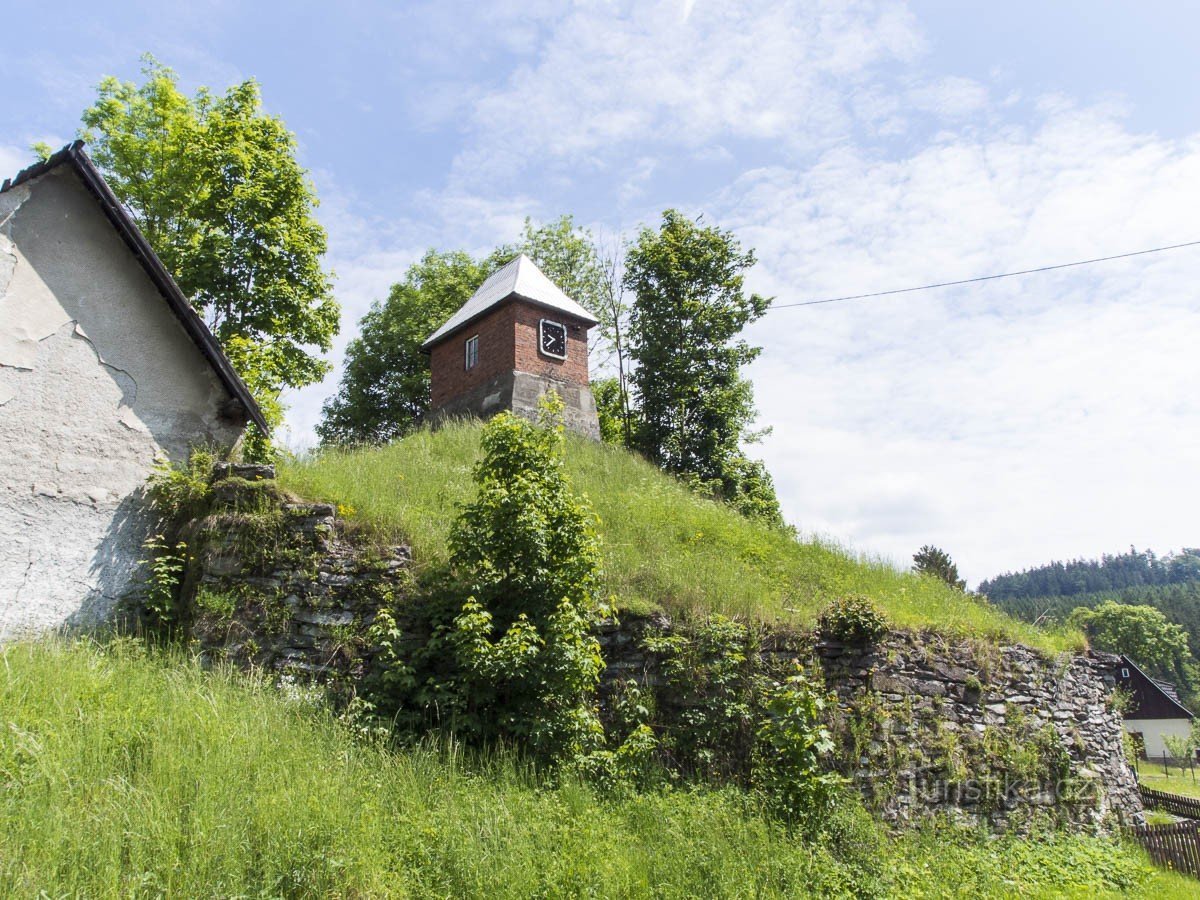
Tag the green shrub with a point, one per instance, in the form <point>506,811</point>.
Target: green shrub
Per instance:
<point>853,620</point>
<point>180,492</point>
<point>160,589</point>
<point>791,751</point>
<point>516,661</point>
<point>711,674</point>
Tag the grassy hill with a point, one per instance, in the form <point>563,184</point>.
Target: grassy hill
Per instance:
<point>664,547</point>
<point>124,773</point>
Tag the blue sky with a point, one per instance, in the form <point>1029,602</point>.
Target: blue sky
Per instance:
<point>857,146</point>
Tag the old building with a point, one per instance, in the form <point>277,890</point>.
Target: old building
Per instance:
<point>1155,711</point>
<point>103,367</point>
<point>516,338</point>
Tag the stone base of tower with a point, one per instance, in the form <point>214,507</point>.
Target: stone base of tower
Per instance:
<point>520,392</point>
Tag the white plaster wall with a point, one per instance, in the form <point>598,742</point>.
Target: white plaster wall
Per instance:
<point>97,377</point>
<point>1155,730</point>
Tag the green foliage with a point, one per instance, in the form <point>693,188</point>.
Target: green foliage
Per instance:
<point>610,410</point>
<point>516,662</point>
<point>384,390</point>
<point>1180,748</point>
<point>1134,571</point>
<point>1143,634</point>
<point>689,309</point>
<point>711,672</point>
<point>665,548</point>
<point>179,492</point>
<point>792,751</point>
<point>853,619</point>
<point>160,591</point>
<point>935,562</point>
<point>125,774</point>
<point>214,185</point>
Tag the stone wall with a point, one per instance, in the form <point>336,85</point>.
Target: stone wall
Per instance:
<point>1003,736</point>
<point>284,585</point>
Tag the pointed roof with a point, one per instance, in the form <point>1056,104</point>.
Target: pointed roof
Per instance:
<point>124,225</point>
<point>519,278</point>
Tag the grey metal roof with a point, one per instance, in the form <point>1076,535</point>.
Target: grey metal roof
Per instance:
<point>519,278</point>
<point>118,216</point>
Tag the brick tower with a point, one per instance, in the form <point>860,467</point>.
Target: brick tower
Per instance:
<point>518,337</point>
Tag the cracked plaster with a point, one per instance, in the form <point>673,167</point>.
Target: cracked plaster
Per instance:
<point>97,378</point>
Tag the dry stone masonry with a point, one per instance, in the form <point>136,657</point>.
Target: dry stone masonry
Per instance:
<point>1001,736</point>
<point>284,585</point>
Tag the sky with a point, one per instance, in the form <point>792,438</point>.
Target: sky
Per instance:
<point>855,146</point>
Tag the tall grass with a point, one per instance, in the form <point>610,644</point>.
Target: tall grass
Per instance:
<point>124,773</point>
<point>664,547</point>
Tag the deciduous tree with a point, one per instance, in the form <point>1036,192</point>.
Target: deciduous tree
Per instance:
<point>213,182</point>
<point>689,309</point>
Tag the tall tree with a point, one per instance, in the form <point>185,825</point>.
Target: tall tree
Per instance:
<point>931,560</point>
<point>688,312</point>
<point>384,391</point>
<point>214,184</point>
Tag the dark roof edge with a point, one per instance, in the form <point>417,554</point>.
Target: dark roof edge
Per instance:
<point>427,346</point>
<point>1188,713</point>
<point>145,255</point>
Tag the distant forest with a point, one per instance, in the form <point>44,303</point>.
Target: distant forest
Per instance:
<point>1171,584</point>
<point>1178,602</point>
<point>1109,574</point>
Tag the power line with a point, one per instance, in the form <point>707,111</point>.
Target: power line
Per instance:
<point>942,284</point>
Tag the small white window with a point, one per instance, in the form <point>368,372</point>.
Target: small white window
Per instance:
<point>472,356</point>
<point>1124,673</point>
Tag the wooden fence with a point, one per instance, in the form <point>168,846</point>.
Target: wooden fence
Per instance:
<point>1175,846</point>
<point>1175,804</point>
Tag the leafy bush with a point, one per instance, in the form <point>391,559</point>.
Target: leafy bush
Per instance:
<point>160,590</point>
<point>792,747</point>
<point>179,492</point>
<point>711,673</point>
<point>853,619</point>
<point>516,660</point>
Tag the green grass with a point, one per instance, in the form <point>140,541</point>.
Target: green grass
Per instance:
<point>664,547</point>
<point>1151,775</point>
<point>125,773</point>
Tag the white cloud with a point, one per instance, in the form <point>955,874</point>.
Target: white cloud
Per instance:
<point>1010,422</point>
<point>610,75</point>
<point>13,160</point>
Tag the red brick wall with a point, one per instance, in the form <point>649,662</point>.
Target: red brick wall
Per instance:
<point>449,378</point>
<point>508,341</point>
<point>529,358</point>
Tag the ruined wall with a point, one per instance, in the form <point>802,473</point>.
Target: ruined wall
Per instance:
<point>284,585</point>
<point>96,378</point>
<point>925,724</point>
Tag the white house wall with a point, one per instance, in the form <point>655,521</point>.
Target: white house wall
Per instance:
<point>1154,732</point>
<point>97,377</point>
